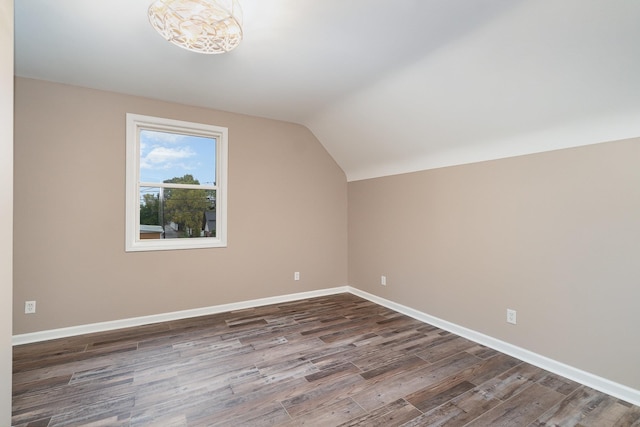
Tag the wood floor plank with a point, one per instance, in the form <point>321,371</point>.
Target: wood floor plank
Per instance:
<point>587,407</point>
<point>520,410</point>
<point>443,347</point>
<point>395,387</point>
<point>323,394</point>
<point>43,384</point>
<point>432,397</point>
<point>326,361</point>
<point>332,414</point>
<point>394,414</point>
<point>333,371</point>
<point>457,412</point>
<point>399,363</point>
<point>559,384</point>
<point>631,418</point>
<point>512,382</point>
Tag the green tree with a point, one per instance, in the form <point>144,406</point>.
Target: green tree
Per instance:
<point>150,209</point>
<point>185,206</point>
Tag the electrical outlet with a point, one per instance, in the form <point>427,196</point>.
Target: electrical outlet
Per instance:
<point>29,307</point>
<point>511,316</point>
<point>296,275</point>
<point>383,280</point>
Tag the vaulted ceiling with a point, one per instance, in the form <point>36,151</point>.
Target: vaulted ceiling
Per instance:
<point>387,86</point>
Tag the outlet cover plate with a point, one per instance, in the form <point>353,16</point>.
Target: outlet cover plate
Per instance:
<point>29,307</point>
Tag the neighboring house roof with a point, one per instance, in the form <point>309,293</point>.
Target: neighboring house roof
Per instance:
<point>209,221</point>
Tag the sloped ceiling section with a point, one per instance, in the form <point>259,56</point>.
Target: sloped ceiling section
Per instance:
<point>387,86</point>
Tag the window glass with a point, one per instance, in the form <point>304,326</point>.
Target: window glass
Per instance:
<point>176,184</point>
<point>165,156</point>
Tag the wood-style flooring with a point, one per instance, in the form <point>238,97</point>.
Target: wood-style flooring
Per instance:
<point>331,361</point>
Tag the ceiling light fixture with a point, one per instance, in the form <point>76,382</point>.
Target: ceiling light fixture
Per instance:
<point>204,26</point>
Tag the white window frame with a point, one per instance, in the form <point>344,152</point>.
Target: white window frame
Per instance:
<point>137,123</point>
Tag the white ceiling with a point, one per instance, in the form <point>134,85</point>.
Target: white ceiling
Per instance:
<point>387,86</point>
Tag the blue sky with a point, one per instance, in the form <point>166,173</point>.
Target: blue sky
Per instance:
<point>166,155</point>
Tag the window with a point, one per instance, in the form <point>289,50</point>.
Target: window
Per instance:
<point>176,184</point>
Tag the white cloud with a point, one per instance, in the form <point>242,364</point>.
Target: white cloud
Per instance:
<point>164,158</point>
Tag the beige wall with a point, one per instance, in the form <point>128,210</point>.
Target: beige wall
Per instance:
<point>286,208</point>
<point>555,236</point>
<point>6,204</point>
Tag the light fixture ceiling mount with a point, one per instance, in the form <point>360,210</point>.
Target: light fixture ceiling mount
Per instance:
<point>204,26</point>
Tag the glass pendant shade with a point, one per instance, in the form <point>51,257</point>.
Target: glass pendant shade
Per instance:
<point>204,26</point>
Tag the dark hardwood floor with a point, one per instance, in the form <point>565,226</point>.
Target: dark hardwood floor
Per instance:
<point>329,361</point>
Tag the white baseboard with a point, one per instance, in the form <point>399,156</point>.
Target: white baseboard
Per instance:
<point>165,317</point>
<point>590,380</point>
<point>604,385</point>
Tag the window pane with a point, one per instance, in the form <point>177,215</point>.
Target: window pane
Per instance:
<point>176,184</point>
<point>172,157</point>
<point>150,206</point>
<point>172,213</point>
